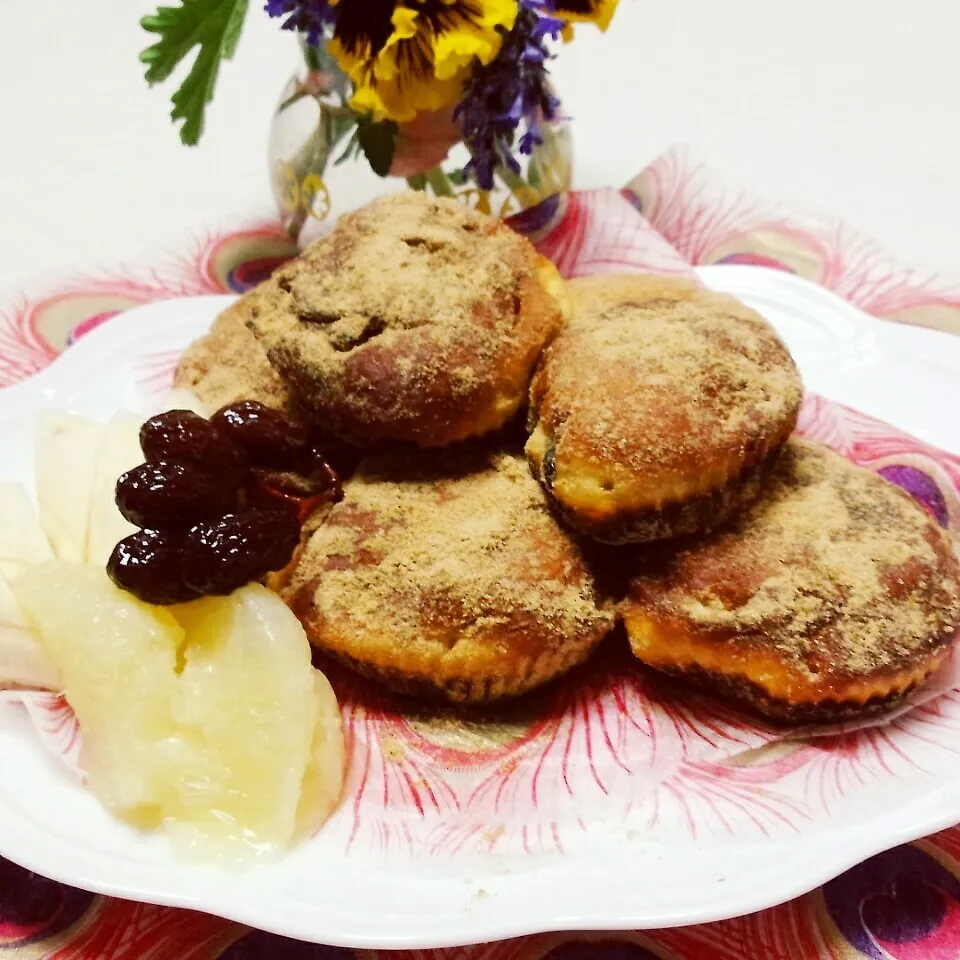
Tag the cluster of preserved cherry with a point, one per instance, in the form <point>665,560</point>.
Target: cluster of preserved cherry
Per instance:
<point>219,502</point>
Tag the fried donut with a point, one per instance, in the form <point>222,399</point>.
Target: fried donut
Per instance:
<point>228,364</point>
<point>451,581</point>
<point>658,408</point>
<point>415,320</point>
<point>833,596</point>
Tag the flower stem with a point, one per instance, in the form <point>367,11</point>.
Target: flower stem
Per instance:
<point>439,183</point>
<point>294,97</point>
<point>526,195</point>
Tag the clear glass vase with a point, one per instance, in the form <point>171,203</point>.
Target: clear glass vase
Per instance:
<point>316,176</point>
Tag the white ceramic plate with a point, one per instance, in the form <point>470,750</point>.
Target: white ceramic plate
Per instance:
<point>611,802</point>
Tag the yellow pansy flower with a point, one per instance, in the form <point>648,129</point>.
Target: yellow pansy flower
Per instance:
<point>411,56</point>
<point>457,42</point>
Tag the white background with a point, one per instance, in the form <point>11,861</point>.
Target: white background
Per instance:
<point>848,108</point>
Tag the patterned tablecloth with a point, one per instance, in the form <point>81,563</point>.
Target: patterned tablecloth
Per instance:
<point>902,904</point>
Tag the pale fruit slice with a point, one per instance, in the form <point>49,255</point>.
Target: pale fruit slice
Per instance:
<point>324,776</point>
<point>180,398</point>
<point>117,658</point>
<point>119,452</point>
<point>22,539</point>
<point>68,450</point>
<point>23,663</point>
<point>247,688</point>
<point>11,613</point>
<point>207,718</point>
<point>22,660</point>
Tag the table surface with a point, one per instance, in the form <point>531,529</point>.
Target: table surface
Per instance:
<point>846,109</point>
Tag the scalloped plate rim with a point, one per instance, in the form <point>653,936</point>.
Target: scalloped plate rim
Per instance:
<point>500,905</point>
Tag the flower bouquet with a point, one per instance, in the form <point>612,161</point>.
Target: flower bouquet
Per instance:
<point>452,96</point>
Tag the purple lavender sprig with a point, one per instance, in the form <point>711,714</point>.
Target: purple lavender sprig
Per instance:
<point>510,90</point>
<point>309,17</point>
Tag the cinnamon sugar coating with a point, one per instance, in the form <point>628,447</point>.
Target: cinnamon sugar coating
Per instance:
<point>655,410</point>
<point>415,320</point>
<point>450,580</point>
<point>833,595</point>
<point>228,364</point>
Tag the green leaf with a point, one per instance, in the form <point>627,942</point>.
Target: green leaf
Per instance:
<point>342,122</point>
<point>212,25</point>
<point>294,97</point>
<point>352,149</point>
<point>318,58</point>
<point>378,140</point>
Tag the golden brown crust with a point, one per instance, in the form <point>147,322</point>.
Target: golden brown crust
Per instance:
<point>833,595</point>
<point>702,511</point>
<point>228,364</point>
<point>655,409</point>
<point>452,580</point>
<point>753,696</point>
<point>414,320</point>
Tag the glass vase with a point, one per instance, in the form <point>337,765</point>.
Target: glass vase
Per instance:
<point>316,175</point>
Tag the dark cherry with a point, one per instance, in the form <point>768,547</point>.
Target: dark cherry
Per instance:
<point>315,478</point>
<point>270,437</point>
<point>343,457</point>
<point>208,527</point>
<point>182,436</point>
<point>281,483</point>
<point>325,478</point>
<point>258,497</point>
<point>162,495</point>
<point>149,565</point>
<point>222,555</point>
